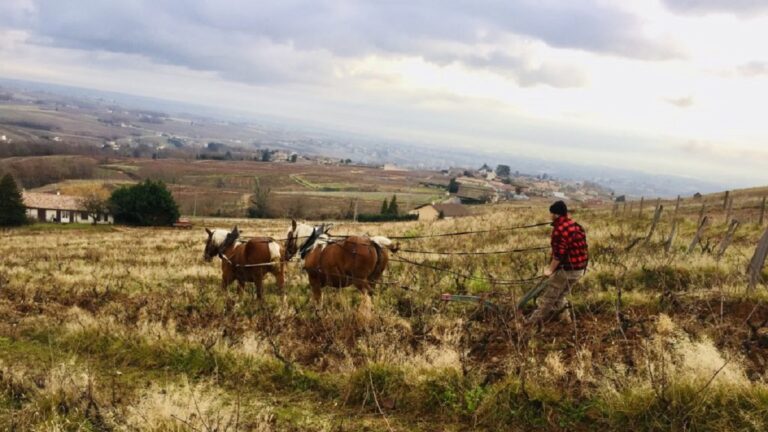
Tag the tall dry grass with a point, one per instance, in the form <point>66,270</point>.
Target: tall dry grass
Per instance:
<point>144,332</point>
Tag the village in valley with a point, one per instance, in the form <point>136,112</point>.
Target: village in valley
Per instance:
<point>212,166</point>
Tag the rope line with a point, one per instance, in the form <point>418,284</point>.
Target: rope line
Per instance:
<point>466,276</point>
<point>501,252</point>
<point>425,265</point>
<point>460,233</point>
<point>451,234</point>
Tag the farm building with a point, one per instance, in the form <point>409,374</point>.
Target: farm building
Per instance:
<point>430,212</point>
<point>45,207</point>
<point>471,194</point>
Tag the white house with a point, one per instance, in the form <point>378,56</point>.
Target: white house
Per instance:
<point>45,207</point>
<point>432,212</point>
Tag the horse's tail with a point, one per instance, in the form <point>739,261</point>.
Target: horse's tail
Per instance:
<point>386,243</point>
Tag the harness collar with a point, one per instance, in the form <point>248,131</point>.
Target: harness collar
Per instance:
<point>309,242</point>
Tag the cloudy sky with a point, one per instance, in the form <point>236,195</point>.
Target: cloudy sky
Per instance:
<point>662,86</point>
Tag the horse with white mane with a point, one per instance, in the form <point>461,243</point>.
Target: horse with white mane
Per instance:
<point>353,260</point>
<point>245,262</point>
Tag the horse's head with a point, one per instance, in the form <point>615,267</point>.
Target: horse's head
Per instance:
<point>300,238</point>
<point>218,241</point>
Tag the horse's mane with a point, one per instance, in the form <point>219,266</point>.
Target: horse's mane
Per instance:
<point>304,232</point>
<point>218,237</point>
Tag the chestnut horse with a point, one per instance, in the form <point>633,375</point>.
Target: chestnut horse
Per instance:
<point>245,262</point>
<point>354,260</point>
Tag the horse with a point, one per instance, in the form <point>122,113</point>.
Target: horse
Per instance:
<point>354,260</point>
<point>245,262</point>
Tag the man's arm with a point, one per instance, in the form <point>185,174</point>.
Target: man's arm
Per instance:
<point>559,250</point>
<point>549,271</point>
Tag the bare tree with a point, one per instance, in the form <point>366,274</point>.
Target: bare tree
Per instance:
<point>259,200</point>
<point>94,205</point>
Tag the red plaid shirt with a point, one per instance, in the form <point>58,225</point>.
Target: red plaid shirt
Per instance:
<point>568,245</point>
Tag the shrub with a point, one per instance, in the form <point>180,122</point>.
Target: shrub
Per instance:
<point>144,204</point>
<point>386,218</point>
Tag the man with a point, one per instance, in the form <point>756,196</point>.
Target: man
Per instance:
<point>570,257</point>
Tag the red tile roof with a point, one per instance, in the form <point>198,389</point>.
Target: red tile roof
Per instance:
<point>51,201</point>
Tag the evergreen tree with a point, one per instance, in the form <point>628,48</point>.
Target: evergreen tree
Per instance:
<point>503,170</point>
<point>146,204</point>
<point>12,210</point>
<point>384,207</point>
<point>266,155</point>
<point>453,185</point>
<point>393,210</point>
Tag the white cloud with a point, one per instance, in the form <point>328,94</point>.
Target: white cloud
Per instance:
<point>587,81</point>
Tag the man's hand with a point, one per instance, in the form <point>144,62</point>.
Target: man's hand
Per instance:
<point>553,266</point>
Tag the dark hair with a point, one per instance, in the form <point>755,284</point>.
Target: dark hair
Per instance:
<point>559,208</point>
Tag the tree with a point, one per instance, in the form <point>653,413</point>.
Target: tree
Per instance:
<point>149,203</point>
<point>453,185</point>
<point>294,158</point>
<point>393,209</point>
<point>266,155</point>
<point>350,212</point>
<point>259,200</point>
<point>94,205</point>
<point>384,207</point>
<point>12,209</point>
<point>503,170</point>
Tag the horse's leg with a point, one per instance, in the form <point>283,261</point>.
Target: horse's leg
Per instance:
<point>317,293</point>
<point>365,310</point>
<point>280,276</point>
<point>226,280</point>
<point>259,282</point>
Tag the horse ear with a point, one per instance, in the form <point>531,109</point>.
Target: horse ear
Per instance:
<point>209,232</point>
<point>235,231</point>
<point>293,224</point>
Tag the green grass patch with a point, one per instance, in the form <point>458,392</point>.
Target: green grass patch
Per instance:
<point>71,227</point>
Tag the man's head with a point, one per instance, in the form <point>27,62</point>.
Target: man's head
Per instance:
<point>558,209</point>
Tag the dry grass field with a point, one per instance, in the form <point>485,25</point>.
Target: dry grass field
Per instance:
<point>112,328</point>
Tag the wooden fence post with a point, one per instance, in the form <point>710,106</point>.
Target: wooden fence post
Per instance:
<point>677,208</point>
<point>671,239</point>
<point>624,211</point>
<point>762,213</point>
<point>701,213</point>
<point>726,241</point>
<point>615,211</point>
<point>755,268</point>
<point>656,217</point>
<point>729,211</point>
<point>699,233</point>
<point>642,202</point>
<point>725,199</point>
